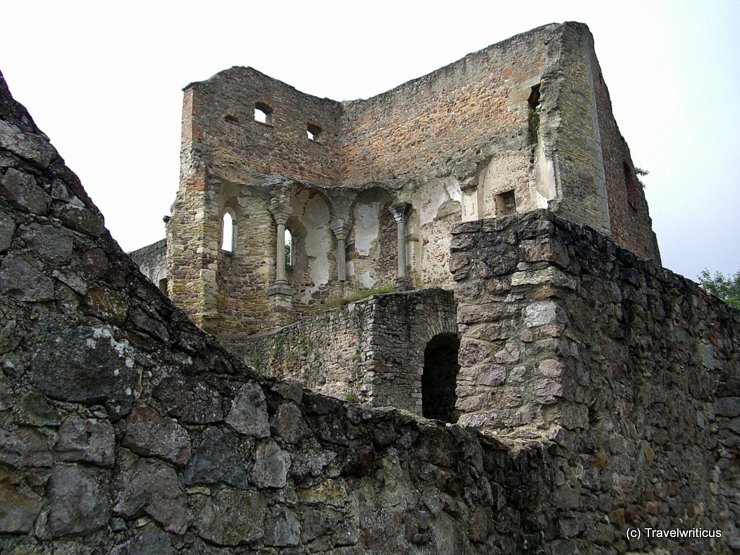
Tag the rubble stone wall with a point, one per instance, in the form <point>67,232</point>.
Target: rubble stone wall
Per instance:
<point>633,371</point>
<point>125,429</point>
<point>152,261</point>
<point>370,351</point>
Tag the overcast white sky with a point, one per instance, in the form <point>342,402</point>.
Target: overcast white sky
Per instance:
<point>104,80</point>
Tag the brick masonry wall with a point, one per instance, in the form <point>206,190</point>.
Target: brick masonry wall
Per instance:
<point>630,222</point>
<point>221,116</point>
<point>433,121</point>
<point>370,351</point>
<point>631,370</point>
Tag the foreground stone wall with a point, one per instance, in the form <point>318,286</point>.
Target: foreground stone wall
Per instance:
<point>371,350</point>
<point>125,429</point>
<point>634,372</point>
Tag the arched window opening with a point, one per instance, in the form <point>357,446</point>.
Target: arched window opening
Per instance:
<point>228,232</point>
<point>288,246</point>
<point>440,377</point>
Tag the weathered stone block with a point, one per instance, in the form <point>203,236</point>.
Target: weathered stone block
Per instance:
<point>217,459</point>
<point>78,500</point>
<point>289,423</point>
<point>190,400</point>
<point>87,365</point>
<point>52,243</point>
<point>21,280</point>
<point>271,466</point>
<point>727,406</point>
<point>29,146</point>
<point>34,409</point>
<point>248,413</point>
<point>231,517</point>
<point>283,528</point>
<point>543,313</point>
<point>86,440</point>
<point>7,230</point>
<point>149,434</point>
<point>18,511</point>
<point>152,486</point>
<point>21,189</point>
<point>548,276</point>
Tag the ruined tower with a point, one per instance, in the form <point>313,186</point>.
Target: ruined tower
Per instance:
<point>287,200</point>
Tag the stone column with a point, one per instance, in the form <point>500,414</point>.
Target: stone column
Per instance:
<point>282,292</point>
<point>401,213</point>
<point>341,228</point>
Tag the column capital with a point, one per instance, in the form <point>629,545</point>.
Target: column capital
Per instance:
<point>400,211</point>
<point>280,209</point>
<point>341,228</point>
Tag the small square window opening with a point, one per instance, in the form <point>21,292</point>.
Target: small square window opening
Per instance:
<point>263,113</point>
<point>313,132</point>
<point>505,203</point>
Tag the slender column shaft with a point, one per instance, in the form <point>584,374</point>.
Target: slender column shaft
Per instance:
<point>280,254</point>
<point>400,214</point>
<point>341,228</point>
<point>401,234</point>
<point>281,211</point>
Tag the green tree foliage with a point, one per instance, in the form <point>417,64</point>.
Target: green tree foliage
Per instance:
<point>726,288</point>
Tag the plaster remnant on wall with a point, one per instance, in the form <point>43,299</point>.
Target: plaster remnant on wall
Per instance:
<point>367,226</point>
<point>545,189</point>
<point>470,205</point>
<point>433,195</point>
<point>367,279</point>
<point>313,212</point>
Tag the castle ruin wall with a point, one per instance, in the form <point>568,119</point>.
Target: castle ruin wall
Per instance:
<point>633,372</point>
<point>152,261</point>
<point>371,351</point>
<point>126,429</point>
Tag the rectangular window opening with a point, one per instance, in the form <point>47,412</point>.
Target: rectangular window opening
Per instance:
<point>313,132</point>
<point>505,203</point>
<point>263,113</point>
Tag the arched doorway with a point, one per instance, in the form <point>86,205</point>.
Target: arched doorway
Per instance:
<point>440,377</point>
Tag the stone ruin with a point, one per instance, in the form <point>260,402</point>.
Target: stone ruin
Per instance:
<point>588,393</point>
<point>289,203</point>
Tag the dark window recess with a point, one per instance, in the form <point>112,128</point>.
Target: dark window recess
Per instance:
<point>505,203</point>
<point>313,132</point>
<point>263,113</point>
<point>533,113</point>
<point>163,285</point>
<point>439,379</point>
<point>231,119</point>
<point>631,184</point>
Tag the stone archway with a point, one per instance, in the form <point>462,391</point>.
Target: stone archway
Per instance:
<point>440,377</point>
